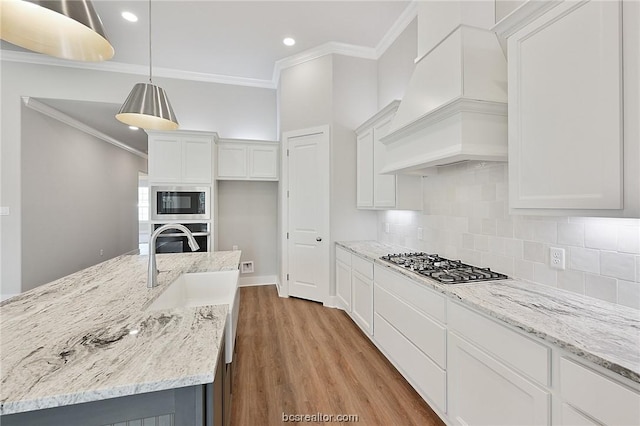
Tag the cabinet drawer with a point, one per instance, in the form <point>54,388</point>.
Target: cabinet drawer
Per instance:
<point>599,397</point>
<point>364,267</point>
<point>343,256</point>
<point>429,336</point>
<point>429,380</point>
<point>571,417</point>
<point>415,294</point>
<point>521,353</point>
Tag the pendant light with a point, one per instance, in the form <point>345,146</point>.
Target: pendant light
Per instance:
<point>148,106</point>
<point>68,29</point>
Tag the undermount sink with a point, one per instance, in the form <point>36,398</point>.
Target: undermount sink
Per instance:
<point>201,289</point>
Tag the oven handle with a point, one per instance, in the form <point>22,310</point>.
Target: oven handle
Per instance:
<point>180,234</point>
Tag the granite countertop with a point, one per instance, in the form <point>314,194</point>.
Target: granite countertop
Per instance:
<point>601,332</point>
<point>87,337</point>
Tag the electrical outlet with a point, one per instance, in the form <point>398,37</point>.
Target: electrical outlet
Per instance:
<point>235,248</point>
<point>420,234</point>
<point>386,228</point>
<point>101,252</point>
<point>556,258</point>
<point>246,267</point>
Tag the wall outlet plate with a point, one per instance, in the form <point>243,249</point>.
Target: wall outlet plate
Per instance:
<point>246,267</point>
<point>420,234</point>
<point>556,258</point>
<point>386,227</point>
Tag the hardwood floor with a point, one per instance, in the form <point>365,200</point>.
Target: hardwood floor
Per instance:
<point>298,357</point>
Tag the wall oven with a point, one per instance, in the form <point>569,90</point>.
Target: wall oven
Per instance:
<point>174,241</point>
<point>174,203</point>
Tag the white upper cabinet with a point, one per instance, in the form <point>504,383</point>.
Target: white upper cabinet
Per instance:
<point>180,157</point>
<point>247,160</point>
<point>567,133</point>
<point>376,190</point>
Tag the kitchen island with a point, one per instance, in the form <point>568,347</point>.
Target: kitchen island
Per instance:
<point>87,338</point>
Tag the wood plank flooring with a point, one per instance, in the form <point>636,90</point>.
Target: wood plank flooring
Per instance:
<point>298,357</point>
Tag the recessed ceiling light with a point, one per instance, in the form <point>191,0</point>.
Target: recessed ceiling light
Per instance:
<point>289,41</point>
<point>134,128</point>
<point>129,16</point>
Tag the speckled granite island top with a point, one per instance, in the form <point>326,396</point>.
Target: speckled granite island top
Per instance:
<point>87,337</point>
<point>603,333</point>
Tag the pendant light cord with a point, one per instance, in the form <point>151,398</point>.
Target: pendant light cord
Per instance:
<point>150,67</point>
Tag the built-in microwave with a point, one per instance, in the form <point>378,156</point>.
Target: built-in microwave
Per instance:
<point>180,203</point>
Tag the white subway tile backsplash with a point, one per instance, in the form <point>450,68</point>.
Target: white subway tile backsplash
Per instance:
<point>618,265</point>
<point>482,243</point>
<point>586,260</point>
<point>497,245</point>
<point>545,232</point>
<point>534,252</point>
<point>466,216</point>
<point>571,234</point>
<point>544,275</point>
<point>504,228</point>
<point>601,236</point>
<point>489,226</point>
<point>571,281</point>
<point>629,294</point>
<point>601,288</point>
<point>629,239</point>
<point>514,248</point>
<point>522,229</point>
<point>468,241</point>
<point>523,269</point>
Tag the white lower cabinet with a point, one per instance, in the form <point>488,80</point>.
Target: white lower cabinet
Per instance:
<point>598,397</point>
<point>410,336</point>
<point>483,391</point>
<point>473,369</point>
<point>362,293</point>
<point>343,278</point>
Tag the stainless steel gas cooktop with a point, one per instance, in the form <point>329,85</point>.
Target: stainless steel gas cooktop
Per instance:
<point>443,270</point>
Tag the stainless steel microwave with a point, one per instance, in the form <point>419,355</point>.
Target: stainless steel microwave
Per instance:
<point>180,203</point>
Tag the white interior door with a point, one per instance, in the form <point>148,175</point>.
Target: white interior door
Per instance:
<point>307,191</point>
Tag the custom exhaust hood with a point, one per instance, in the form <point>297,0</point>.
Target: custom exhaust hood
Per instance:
<point>455,106</point>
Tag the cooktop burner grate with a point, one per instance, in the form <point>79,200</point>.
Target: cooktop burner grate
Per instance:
<point>441,269</point>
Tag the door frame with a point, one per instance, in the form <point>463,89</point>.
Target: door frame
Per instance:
<point>283,287</point>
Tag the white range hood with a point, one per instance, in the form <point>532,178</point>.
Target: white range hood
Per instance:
<point>455,106</point>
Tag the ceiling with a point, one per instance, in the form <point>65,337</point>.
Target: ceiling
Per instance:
<point>237,39</point>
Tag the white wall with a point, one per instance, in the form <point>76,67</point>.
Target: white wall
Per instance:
<point>339,91</point>
<point>396,65</point>
<point>466,217</point>
<point>79,196</point>
<point>248,218</point>
<point>232,111</point>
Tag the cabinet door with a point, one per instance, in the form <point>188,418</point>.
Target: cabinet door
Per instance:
<point>565,109</point>
<point>483,391</point>
<point>263,162</point>
<point>364,169</point>
<point>343,284</point>
<point>165,159</point>
<point>384,186</point>
<point>362,301</point>
<point>232,162</point>
<point>196,160</point>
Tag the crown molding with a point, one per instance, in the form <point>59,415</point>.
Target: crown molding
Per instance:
<point>403,21</point>
<point>523,15</point>
<point>64,118</point>
<point>356,51</point>
<point>320,51</point>
<point>111,66</point>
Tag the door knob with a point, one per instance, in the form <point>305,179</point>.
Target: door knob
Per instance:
<point>318,239</point>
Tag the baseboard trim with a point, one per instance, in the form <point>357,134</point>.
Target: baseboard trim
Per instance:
<point>259,280</point>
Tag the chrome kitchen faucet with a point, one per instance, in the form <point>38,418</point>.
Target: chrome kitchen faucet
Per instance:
<point>152,280</point>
